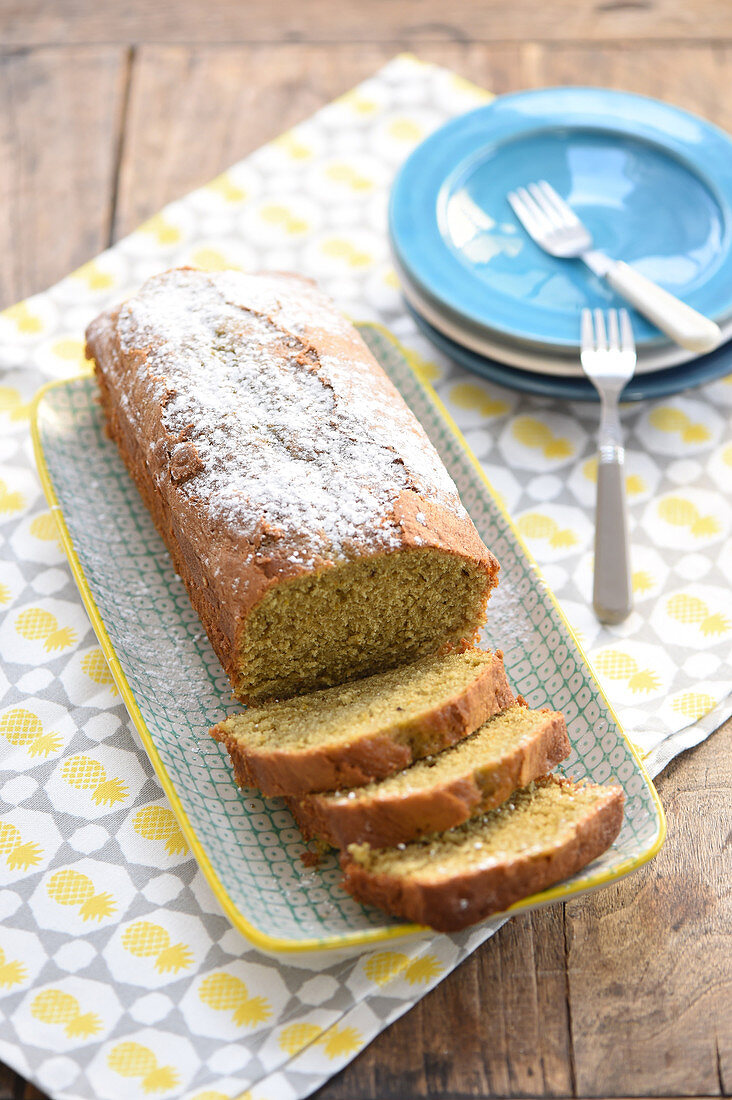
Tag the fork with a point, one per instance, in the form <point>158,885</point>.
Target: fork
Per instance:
<point>555,227</point>
<point>608,359</point>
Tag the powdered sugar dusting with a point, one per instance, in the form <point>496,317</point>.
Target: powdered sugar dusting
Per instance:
<point>289,441</point>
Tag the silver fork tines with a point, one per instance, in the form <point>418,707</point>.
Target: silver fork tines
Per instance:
<point>555,227</point>
<point>608,359</point>
<point>549,220</point>
<point>607,350</point>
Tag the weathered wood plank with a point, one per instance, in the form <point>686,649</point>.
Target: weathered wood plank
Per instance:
<point>650,967</point>
<point>59,122</point>
<point>193,112</point>
<point>34,22</point>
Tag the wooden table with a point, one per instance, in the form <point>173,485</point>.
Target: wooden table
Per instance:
<point>110,110</point>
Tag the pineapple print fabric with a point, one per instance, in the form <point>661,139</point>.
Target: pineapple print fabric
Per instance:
<point>119,976</point>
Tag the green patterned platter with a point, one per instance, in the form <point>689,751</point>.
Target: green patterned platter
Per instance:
<point>248,847</point>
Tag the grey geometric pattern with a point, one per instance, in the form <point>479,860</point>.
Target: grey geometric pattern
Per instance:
<point>120,976</point>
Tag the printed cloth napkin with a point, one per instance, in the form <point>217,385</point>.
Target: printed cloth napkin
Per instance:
<point>119,976</point>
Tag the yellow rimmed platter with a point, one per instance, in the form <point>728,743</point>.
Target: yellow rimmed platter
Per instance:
<point>248,847</point>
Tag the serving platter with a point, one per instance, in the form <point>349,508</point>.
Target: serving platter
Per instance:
<point>248,847</point>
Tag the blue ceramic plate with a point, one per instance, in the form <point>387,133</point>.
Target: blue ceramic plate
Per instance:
<point>653,184</point>
<point>643,387</point>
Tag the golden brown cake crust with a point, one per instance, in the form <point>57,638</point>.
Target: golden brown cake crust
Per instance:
<point>385,821</point>
<point>464,899</point>
<point>354,763</point>
<point>234,533</point>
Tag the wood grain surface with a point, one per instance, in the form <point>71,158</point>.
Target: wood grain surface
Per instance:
<point>44,22</point>
<point>108,111</point>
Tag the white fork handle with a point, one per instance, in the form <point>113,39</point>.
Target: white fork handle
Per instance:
<point>690,329</point>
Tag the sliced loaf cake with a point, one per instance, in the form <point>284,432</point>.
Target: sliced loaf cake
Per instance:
<point>348,736</point>
<point>315,527</point>
<point>439,792</point>
<point>545,833</point>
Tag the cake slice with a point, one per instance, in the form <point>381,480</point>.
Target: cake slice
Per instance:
<point>348,736</point>
<point>545,833</point>
<point>440,792</point>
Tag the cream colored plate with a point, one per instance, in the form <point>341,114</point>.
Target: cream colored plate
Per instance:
<point>541,362</point>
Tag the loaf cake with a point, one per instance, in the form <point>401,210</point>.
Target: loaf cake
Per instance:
<point>347,736</point>
<point>545,833</point>
<point>318,533</point>
<point>439,792</point>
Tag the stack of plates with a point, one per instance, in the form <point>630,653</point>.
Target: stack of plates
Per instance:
<point>652,183</point>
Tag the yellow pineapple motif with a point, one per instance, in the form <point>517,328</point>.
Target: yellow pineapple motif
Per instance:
<point>12,403</point>
<point>534,525</point>
<point>466,395</point>
<point>634,483</point>
<point>86,774</point>
<point>45,528</point>
<point>228,191</point>
<point>386,965</point>
<point>690,609</point>
<point>56,1007</point>
<point>23,319</point>
<point>680,512</point>
<point>144,939</point>
<point>727,455</point>
<point>12,971</point>
<point>358,103</point>
<point>334,1041</point>
<point>423,970</point>
<point>621,666</point>
<point>292,145</point>
<point>163,231</point>
<point>694,704</point>
<point>94,277</point>
<point>18,855</point>
<point>70,349</point>
<point>642,581</point>
<point>226,993</point>
<point>74,888</point>
<point>338,1041</point>
<point>347,175</point>
<point>10,500</point>
<point>295,1037</point>
<point>136,1060</point>
<point>35,624</point>
<point>405,129</point>
<point>212,260</point>
<point>94,664</point>
<point>5,594</point>
<point>668,419</point>
<point>532,433</point>
<point>277,214</point>
<point>340,249</point>
<point>463,85</point>
<point>214,1094</point>
<point>24,729</point>
<point>159,823</point>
